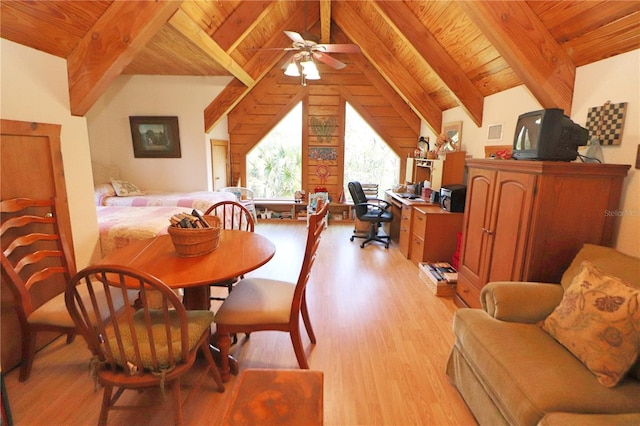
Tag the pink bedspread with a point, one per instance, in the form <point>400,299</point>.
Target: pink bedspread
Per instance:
<point>200,200</point>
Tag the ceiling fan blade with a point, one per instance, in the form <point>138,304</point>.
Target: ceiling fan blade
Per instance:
<point>338,48</point>
<point>332,62</point>
<point>297,38</point>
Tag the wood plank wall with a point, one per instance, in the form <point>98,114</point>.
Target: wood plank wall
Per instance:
<point>324,103</point>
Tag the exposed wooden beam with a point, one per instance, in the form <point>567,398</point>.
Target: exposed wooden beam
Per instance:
<point>185,25</point>
<point>529,49</point>
<point>325,21</point>
<point>110,45</point>
<point>384,60</point>
<point>241,22</point>
<point>378,81</point>
<point>259,65</point>
<point>408,28</point>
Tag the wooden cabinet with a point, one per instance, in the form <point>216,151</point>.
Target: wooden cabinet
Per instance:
<point>448,169</point>
<point>404,239</point>
<point>435,234</point>
<point>526,220</point>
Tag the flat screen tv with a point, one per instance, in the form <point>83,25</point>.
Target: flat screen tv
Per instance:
<point>548,134</point>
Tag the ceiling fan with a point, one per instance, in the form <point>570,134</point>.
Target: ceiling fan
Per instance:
<point>308,47</point>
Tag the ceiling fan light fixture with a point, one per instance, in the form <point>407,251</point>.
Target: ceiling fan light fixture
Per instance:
<point>312,73</point>
<point>292,70</point>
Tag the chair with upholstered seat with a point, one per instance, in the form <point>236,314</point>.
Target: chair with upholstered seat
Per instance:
<point>37,262</point>
<point>233,215</point>
<point>371,210</point>
<point>141,346</point>
<point>258,304</point>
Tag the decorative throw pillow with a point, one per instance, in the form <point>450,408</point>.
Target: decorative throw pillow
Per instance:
<point>125,189</point>
<point>598,320</point>
<point>103,191</point>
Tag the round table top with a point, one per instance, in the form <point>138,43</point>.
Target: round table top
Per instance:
<point>238,252</point>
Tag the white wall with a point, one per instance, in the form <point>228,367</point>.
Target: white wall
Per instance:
<point>33,88</point>
<point>615,79</point>
<point>183,96</point>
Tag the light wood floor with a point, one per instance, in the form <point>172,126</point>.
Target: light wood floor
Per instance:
<point>382,343</point>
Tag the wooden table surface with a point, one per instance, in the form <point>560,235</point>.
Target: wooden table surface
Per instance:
<point>238,252</point>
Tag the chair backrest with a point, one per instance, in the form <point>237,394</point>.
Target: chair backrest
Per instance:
<point>37,260</point>
<point>233,215</point>
<point>134,339</point>
<point>359,197</point>
<point>317,224</point>
<point>240,192</point>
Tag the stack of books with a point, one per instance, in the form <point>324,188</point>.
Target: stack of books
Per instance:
<point>441,277</point>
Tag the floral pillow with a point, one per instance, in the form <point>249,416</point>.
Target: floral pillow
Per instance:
<point>598,320</point>
<point>125,189</point>
<point>102,191</point>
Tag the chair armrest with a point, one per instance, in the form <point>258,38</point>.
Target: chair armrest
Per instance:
<point>519,301</point>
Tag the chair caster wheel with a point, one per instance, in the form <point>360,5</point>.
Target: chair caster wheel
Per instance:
<point>362,245</point>
<point>351,238</point>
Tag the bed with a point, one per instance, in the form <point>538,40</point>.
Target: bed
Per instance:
<point>126,194</point>
<point>118,226</point>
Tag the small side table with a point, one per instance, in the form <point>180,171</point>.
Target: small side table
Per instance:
<point>277,397</point>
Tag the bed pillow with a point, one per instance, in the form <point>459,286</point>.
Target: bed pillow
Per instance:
<point>598,320</point>
<point>103,191</point>
<point>125,189</point>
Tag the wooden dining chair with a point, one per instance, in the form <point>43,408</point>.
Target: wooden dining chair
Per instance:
<point>258,304</point>
<point>141,346</point>
<point>233,215</point>
<point>37,262</point>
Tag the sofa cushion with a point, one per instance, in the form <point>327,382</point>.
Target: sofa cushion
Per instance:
<point>598,320</point>
<point>527,373</point>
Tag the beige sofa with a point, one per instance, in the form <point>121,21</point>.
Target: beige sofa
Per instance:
<point>509,370</point>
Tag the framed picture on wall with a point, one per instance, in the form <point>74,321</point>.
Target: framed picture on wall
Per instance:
<point>155,137</point>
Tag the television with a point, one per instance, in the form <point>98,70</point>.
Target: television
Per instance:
<point>547,134</point>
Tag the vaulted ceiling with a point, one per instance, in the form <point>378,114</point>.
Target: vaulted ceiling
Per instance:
<point>435,54</point>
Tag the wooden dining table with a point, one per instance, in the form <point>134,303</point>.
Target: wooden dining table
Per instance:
<point>238,252</point>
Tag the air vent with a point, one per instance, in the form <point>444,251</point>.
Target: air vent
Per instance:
<point>495,132</point>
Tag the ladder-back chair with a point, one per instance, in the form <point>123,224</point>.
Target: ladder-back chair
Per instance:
<point>258,304</point>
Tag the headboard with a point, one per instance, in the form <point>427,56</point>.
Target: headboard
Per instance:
<point>103,173</point>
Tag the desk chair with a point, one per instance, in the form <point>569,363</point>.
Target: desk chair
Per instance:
<point>244,197</point>
<point>233,215</point>
<point>140,346</point>
<point>371,210</point>
<point>258,304</point>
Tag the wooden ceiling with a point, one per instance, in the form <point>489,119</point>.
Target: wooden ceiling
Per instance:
<point>435,54</point>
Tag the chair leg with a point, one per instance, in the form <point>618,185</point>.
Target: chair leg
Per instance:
<point>222,341</point>
<point>296,340</point>
<point>106,403</point>
<point>213,368</point>
<point>306,319</point>
<point>177,402</point>
<point>70,338</point>
<point>28,353</point>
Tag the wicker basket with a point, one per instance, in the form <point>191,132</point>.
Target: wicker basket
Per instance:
<point>190,242</point>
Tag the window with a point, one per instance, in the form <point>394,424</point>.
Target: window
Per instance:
<point>367,157</point>
<point>274,165</point>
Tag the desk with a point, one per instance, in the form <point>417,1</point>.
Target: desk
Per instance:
<point>238,252</point>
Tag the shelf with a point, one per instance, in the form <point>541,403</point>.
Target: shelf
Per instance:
<point>293,211</point>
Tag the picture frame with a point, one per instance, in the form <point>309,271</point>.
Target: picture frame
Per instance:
<point>454,131</point>
<point>155,137</point>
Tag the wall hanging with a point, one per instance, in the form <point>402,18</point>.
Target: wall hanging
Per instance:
<point>606,122</point>
<point>155,137</point>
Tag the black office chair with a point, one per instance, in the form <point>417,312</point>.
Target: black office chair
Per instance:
<point>372,210</point>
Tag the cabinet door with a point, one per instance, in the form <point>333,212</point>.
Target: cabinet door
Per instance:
<point>508,230</point>
<point>476,221</point>
<point>31,166</point>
